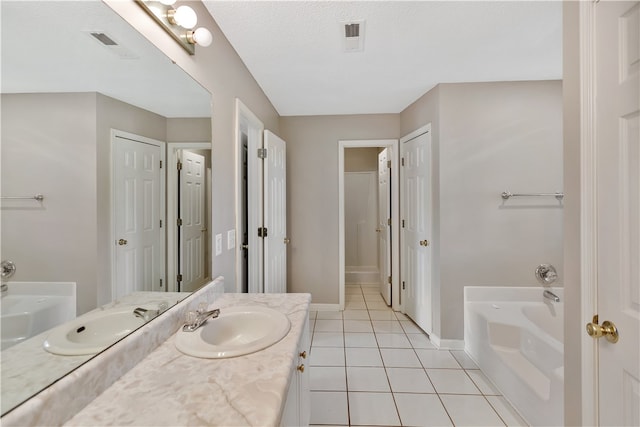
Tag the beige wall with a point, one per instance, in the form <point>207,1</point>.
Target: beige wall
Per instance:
<point>219,69</point>
<point>312,188</point>
<point>496,137</point>
<point>572,224</point>
<point>361,159</point>
<point>189,130</point>
<point>48,147</point>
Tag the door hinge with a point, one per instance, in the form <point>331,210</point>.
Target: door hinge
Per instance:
<point>389,279</point>
<point>262,153</point>
<point>160,282</point>
<point>389,221</point>
<point>179,222</point>
<point>179,165</point>
<point>403,223</point>
<point>179,278</point>
<point>160,223</point>
<point>388,164</point>
<point>160,164</point>
<point>262,232</point>
<point>402,161</point>
<point>403,284</point>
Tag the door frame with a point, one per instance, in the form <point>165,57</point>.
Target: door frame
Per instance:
<point>588,213</point>
<point>395,214</point>
<point>115,133</point>
<point>245,119</point>
<point>172,194</point>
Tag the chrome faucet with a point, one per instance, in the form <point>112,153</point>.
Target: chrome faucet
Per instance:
<point>550,295</point>
<point>195,319</point>
<point>8,269</point>
<point>147,314</point>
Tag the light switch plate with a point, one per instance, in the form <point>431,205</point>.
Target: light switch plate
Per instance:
<point>218,244</point>
<point>231,239</point>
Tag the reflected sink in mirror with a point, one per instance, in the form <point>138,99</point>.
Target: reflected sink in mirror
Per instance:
<point>235,332</point>
<point>92,333</point>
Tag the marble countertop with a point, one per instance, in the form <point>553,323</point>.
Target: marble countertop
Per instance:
<point>169,388</point>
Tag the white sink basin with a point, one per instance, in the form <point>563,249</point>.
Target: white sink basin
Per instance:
<point>93,332</point>
<point>235,332</point>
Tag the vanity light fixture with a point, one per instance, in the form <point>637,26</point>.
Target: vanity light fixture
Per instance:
<point>178,22</point>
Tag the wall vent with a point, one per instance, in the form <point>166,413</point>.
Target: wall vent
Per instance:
<point>352,34</point>
<point>110,43</point>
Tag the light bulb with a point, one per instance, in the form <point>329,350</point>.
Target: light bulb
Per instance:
<point>167,2</point>
<point>201,36</point>
<point>186,17</point>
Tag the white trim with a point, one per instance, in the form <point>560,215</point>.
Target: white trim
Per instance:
<point>416,133</point>
<point>115,133</point>
<point>395,214</point>
<point>446,344</point>
<point>324,307</point>
<point>172,192</point>
<point>244,117</point>
<point>588,212</point>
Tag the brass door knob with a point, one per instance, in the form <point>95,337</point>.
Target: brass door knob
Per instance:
<point>300,368</point>
<point>122,242</point>
<point>287,240</point>
<point>607,330</point>
<point>424,242</point>
<point>303,354</point>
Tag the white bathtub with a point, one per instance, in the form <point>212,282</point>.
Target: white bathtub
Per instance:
<point>515,336</point>
<point>29,308</point>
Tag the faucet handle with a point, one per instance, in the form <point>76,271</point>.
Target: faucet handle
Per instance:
<point>202,307</point>
<point>191,318</point>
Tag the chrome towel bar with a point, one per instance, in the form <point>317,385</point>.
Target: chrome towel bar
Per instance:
<point>506,195</point>
<point>38,197</point>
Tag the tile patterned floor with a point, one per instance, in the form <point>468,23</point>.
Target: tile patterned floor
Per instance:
<point>371,366</point>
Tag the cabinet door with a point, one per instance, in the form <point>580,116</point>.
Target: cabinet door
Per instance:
<point>304,395</point>
<point>290,413</point>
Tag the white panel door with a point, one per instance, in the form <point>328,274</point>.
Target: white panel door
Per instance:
<point>618,215</point>
<point>275,214</point>
<point>416,231</point>
<point>193,215</point>
<point>137,214</point>
<point>384,227</point>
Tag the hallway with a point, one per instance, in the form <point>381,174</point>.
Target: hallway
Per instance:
<point>373,366</point>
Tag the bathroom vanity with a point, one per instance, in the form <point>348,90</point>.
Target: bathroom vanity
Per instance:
<point>145,380</point>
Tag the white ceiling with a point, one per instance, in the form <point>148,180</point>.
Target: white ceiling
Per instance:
<point>294,49</point>
<point>46,47</point>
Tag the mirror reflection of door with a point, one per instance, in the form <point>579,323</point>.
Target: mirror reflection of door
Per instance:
<point>138,214</point>
<point>192,225</point>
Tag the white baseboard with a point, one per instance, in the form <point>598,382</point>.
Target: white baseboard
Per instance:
<point>324,307</point>
<point>446,344</point>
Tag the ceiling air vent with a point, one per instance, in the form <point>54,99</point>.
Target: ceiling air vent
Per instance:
<point>352,36</point>
<point>109,43</point>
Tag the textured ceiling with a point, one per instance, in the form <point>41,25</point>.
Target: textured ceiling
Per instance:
<point>46,48</point>
<point>294,49</point>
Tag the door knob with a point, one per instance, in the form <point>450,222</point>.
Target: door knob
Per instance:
<point>245,247</point>
<point>300,368</point>
<point>378,230</point>
<point>424,242</point>
<point>287,240</point>
<point>607,330</point>
<point>122,242</point>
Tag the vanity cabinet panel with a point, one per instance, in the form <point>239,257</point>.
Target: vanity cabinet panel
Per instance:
<point>297,409</point>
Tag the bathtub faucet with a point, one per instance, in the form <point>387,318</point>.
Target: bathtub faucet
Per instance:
<point>550,295</point>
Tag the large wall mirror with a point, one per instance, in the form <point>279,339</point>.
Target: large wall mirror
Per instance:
<point>79,87</point>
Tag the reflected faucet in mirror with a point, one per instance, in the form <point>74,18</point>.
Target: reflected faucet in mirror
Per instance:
<point>8,269</point>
